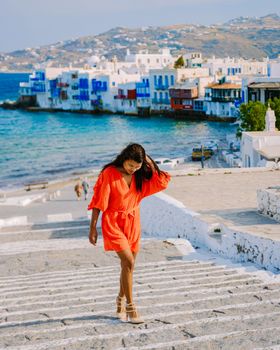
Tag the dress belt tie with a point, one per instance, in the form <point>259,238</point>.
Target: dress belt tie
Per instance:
<point>124,212</point>
<point>125,215</point>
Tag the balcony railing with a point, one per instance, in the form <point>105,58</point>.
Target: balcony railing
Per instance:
<point>98,86</point>
<point>223,99</point>
<point>163,101</point>
<point>161,86</point>
<point>139,95</point>
<point>38,88</point>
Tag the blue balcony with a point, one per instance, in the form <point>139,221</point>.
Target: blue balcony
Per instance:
<point>53,83</point>
<point>75,86</point>
<point>160,86</point>
<point>55,92</point>
<point>144,84</point>
<point>38,87</point>
<point>84,96</point>
<point>162,101</point>
<point>142,95</point>
<point>39,76</point>
<point>83,83</point>
<point>98,86</point>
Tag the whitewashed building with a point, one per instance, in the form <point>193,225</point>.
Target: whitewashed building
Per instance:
<point>193,59</point>
<point>273,68</point>
<point>222,99</point>
<point>143,95</point>
<point>161,80</point>
<point>260,88</point>
<point>235,66</point>
<point>261,148</point>
<point>126,100</point>
<point>77,89</point>
<point>147,61</point>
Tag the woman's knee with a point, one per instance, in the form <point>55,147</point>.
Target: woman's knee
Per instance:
<point>128,263</point>
<point>127,259</point>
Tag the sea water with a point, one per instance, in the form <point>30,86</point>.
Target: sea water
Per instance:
<point>43,145</point>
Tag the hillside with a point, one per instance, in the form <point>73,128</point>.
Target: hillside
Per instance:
<point>248,37</point>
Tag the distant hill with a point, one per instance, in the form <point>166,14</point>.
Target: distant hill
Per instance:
<point>247,37</point>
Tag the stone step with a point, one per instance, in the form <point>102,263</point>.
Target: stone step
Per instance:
<point>43,226</point>
<point>101,275</point>
<point>77,271</point>
<point>166,299</point>
<point>195,280</point>
<point>119,335</point>
<point>164,312</point>
<point>186,305</point>
<point>44,234</point>
<point>63,296</point>
<point>140,277</point>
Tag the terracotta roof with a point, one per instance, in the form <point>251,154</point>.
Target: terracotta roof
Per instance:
<point>224,86</point>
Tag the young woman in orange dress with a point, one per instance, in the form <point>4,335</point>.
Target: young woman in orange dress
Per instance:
<point>118,191</point>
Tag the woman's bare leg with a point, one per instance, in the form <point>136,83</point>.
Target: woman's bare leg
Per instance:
<point>127,266</point>
<point>121,292</point>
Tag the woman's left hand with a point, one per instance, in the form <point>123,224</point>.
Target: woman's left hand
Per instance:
<point>150,162</point>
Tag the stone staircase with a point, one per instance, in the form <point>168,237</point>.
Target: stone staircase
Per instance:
<point>190,304</point>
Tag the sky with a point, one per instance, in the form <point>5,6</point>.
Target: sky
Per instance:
<point>32,23</point>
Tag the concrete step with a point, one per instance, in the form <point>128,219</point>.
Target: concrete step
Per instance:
<point>195,305</point>
<point>188,331</point>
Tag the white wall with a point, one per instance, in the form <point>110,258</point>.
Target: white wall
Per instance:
<point>227,242</point>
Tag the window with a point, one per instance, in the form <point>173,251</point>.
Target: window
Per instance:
<point>155,95</point>
<point>172,79</point>
<point>166,81</point>
<point>155,80</point>
<point>166,96</point>
<point>113,83</point>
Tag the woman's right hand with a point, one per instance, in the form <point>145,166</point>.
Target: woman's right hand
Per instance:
<point>93,234</point>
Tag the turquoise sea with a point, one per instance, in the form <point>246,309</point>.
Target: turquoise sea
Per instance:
<point>53,145</point>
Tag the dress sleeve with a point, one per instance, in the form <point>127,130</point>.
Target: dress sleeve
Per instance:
<point>157,183</point>
<point>101,193</point>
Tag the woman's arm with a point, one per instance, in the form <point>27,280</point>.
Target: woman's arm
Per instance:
<point>158,181</point>
<point>93,231</point>
<point>150,162</point>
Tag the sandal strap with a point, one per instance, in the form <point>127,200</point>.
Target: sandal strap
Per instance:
<point>120,301</point>
<point>130,307</point>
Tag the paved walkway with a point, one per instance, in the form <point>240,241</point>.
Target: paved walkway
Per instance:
<point>228,196</point>
<point>58,292</point>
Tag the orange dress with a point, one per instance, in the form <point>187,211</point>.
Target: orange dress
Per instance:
<point>120,206</point>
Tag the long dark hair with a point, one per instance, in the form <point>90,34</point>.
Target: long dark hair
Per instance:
<point>137,153</point>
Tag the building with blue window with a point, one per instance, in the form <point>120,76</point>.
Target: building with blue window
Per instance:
<point>160,82</point>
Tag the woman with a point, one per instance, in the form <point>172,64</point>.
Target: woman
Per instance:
<point>119,189</point>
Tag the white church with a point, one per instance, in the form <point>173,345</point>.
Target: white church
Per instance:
<point>262,148</point>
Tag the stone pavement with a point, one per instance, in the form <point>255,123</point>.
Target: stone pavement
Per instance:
<point>58,292</point>
<point>228,196</point>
